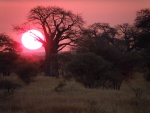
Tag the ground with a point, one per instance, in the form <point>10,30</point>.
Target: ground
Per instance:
<point>51,95</point>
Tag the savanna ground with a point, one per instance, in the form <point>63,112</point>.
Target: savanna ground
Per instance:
<point>51,95</point>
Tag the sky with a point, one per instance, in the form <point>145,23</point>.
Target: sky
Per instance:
<point>114,12</point>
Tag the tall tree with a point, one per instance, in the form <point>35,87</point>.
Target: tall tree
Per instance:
<point>126,37</point>
<point>143,19</point>
<point>98,38</point>
<point>60,29</point>
<point>103,30</point>
<point>142,22</point>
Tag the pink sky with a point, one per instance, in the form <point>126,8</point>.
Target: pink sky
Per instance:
<point>114,12</point>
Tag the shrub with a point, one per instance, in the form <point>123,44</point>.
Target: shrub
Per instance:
<point>89,69</point>
<point>60,86</point>
<point>8,86</point>
<point>27,71</point>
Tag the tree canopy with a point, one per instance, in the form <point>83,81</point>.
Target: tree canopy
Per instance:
<point>7,44</point>
<point>60,28</point>
<point>143,19</point>
<point>8,53</point>
<point>57,25</point>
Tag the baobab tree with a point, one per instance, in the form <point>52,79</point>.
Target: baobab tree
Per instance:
<point>60,28</point>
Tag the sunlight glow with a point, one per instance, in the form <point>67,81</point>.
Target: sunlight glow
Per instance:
<point>29,39</point>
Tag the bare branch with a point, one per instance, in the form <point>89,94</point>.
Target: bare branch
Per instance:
<point>37,38</point>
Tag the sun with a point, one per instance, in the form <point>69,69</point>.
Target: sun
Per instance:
<point>29,39</point>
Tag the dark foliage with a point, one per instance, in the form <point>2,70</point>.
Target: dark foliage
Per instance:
<point>142,22</point>
<point>85,68</point>
<point>7,62</point>
<point>123,61</point>
<point>63,59</point>
<point>27,71</point>
<point>91,70</point>
<point>126,37</point>
<point>9,50</point>
<point>131,62</point>
<point>8,86</point>
<point>143,19</point>
<point>7,44</point>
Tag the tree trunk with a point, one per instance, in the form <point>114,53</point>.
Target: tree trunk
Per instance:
<point>47,65</point>
<point>51,62</point>
<point>48,53</point>
<point>54,66</point>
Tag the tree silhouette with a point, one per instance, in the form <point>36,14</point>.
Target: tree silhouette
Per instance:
<point>89,69</point>
<point>8,54</point>
<point>60,28</point>
<point>103,30</point>
<point>27,71</point>
<point>8,45</point>
<point>142,22</point>
<point>143,19</point>
<point>126,37</point>
<point>99,38</point>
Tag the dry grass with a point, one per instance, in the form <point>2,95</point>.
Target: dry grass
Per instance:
<point>41,97</point>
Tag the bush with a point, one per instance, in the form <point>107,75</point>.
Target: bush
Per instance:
<point>89,69</point>
<point>8,86</point>
<point>60,86</point>
<point>27,71</point>
<point>113,79</point>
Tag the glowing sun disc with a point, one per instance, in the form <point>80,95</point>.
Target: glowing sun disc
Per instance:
<point>29,39</point>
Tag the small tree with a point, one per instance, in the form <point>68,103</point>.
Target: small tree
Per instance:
<point>131,62</point>
<point>8,54</point>
<point>27,71</point>
<point>89,69</point>
<point>7,62</point>
<point>63,59</point>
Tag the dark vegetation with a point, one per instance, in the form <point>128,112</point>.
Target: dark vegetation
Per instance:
<point>101,56</point>
<point>27,71</point>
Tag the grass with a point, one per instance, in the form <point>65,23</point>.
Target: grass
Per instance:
<point>41,96</point>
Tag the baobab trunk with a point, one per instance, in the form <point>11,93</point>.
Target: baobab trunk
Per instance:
<point>51,61</point>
